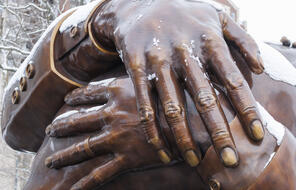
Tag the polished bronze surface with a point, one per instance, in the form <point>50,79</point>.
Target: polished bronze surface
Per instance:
<point>167,112</point>
<point>251,167</point>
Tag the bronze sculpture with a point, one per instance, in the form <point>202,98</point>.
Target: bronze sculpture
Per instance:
<point>214,50</point>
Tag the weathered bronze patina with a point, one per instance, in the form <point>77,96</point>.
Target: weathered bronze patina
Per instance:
<point>175,52</point>
<point>154,46</point>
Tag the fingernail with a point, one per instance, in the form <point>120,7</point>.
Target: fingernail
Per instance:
<point>47,130</point>
<point>66,99</point>
<point>260,60</point>
<point>164,157</point>
<point>229,157</point>
<point>191,158</point>
<point>257,130</point>
<point>48,162</point>
<point>50,132</point>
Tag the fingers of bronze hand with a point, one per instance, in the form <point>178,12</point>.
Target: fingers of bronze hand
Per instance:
<point>69,156</point>
<point>172,100</point>
<point>85,150</point>
<point>101,174</point>
<point>246,44</point>
<point>94,93</point>
<point>198,85</point>
<point>82,121</point>
<point>237,88</point>
<point>146,109</point>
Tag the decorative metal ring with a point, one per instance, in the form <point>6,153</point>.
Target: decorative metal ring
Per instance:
<point>15,97</point>
<point>23,84</point>
<point>30,71</point>
<point>214,184</point>
<point>87,148</point>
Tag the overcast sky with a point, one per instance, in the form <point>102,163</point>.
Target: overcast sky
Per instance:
<point>269,20</point>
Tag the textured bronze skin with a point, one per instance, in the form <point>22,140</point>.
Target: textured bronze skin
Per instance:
<point>147,48</point>
<point>253,157</point>
<point>178,55</point>
<point>214,55</point>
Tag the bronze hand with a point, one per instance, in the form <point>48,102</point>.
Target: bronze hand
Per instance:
<point>120,135</point>
<point>167,41</point>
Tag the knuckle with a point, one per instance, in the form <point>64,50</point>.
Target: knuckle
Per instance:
<point>205,100</point>
<point>248,110</point>
<point>146,114</point>
<point>234,81</point>
<point>98,177</point>
<point>172,110</point>
<point>184,142</point>
<point>136,64</point>
<point>212,36</point>
<point>220,136</point>
<point>156,55</point>
<point>155,141</point>
<point>121,160</point>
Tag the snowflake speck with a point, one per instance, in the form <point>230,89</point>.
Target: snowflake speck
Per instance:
<point>151,76</point>
<point>139,17</point>
<point>156,42</point>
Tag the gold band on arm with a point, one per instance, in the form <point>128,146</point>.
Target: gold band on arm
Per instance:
<point>98,46</point>
<point>52,57</point>
<point>88,30</point>
<point>87,148</point>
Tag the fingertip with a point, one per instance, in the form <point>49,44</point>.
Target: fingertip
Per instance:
<point>257,130</point>
<point>229,157</point>
<point>48,162</point>
<point>48,129</point>
<point>255,63</point>
<point>164,156</point>
<point>260,64</point>
<point>191,158</point>
<point>68,99</point>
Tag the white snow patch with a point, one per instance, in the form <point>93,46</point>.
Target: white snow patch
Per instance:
<point>216,5</point>
<point>156,42</point>
<point>274,127</point>
<point>72,112</point>
<point>217,92</point>
<point>139,16</point>
<point>269,160</point>
<point>191,55</point>
<point>96,108</point>
<point>79,15</point>
<point>151,76</point>
<point>120,55</point>
<point>52,146</point>
<point>64,115</point>
<point>105,82</point>
<point>21,70</point>
<point>276,65</point>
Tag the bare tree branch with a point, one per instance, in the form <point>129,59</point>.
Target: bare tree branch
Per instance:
<point>11,48</point>
<point>6,68</point>
<point>24,7</point>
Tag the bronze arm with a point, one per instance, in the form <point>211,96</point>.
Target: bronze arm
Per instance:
<point>158,54</point>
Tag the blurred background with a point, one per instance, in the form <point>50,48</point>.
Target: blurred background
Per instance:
<point>23,21</point>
